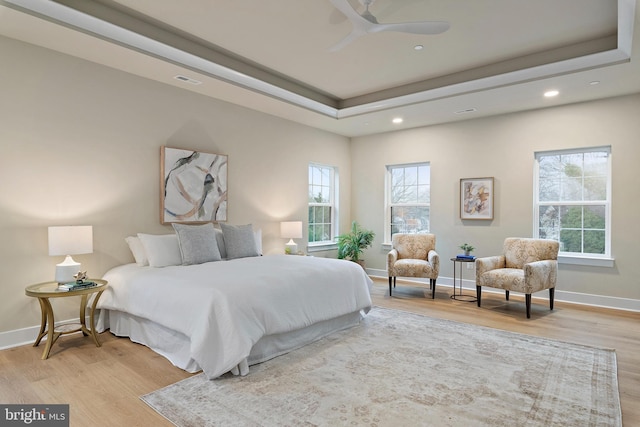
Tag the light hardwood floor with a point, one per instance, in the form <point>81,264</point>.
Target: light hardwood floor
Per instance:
<point>103,385</point>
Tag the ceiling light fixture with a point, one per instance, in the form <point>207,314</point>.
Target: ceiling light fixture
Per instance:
<point>418,47</point>
<point>595,82</point>
<point>397,120</point>
<point>551,93</point>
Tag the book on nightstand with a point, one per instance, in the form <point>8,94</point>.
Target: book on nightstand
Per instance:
<point>465,257</point>
<point>74,286</point>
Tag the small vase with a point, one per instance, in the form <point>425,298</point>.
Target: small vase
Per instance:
<point>467,253</point>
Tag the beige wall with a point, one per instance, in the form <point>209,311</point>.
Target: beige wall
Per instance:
<point>80,145</point>
<point>503,147</point>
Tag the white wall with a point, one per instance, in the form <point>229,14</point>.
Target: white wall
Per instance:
<point>80,145</point>
<point>503,147</point>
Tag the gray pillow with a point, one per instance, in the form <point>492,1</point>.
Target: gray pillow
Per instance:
<point>198,243</point>
<point>239,241</point>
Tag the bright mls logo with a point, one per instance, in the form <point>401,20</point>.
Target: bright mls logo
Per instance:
<point>34,415</point>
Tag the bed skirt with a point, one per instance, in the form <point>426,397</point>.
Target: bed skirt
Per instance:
<point>175,346</point>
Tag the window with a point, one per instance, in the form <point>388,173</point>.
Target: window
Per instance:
<point>408,199</point>
<point>322,203</point>
<point>572,199</point>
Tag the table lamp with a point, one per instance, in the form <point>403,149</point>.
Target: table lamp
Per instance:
<point>69,240</point>
<point>291,230</point>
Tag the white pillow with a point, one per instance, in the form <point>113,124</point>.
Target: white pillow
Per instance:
<point>239,241</point>
<point>198,243</point>
<point>137,249</point>
<point>257,235</point>
<point>162,250</point>
<point>220,239</point>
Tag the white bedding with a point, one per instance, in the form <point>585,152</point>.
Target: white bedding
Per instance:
<point>225,307</point>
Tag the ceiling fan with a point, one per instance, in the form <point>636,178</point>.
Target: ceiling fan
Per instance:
<point>367,23</point>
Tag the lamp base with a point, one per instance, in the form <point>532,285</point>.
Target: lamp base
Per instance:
<point>291,247</point>
<point>66,270</point>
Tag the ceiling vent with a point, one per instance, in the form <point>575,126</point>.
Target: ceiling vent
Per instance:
<point>187,80</point>
<point>466,111</point>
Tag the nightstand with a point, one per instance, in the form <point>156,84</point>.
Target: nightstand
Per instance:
<point>44,291</point>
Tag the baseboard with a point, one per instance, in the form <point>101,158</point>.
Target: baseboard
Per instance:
<point>25,336</point>
<point>626,304</point>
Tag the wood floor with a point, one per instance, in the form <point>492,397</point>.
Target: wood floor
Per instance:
<point>103,385</point>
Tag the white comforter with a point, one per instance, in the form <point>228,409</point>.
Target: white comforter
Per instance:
<point>225,307</point>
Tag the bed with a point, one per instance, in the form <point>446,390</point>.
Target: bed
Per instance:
<point>223,316</point>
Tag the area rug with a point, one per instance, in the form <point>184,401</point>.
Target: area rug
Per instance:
<point>403,369</point>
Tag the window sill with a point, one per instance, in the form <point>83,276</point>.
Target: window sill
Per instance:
<point>586,260</point>
<point>318,247</point>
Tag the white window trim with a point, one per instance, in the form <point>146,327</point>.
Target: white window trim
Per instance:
<point>334,197</point>
<point>387,208</point>
<point>594,260</point>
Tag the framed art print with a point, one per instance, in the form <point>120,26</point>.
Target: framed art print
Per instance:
<point>193,186</point>
<point>476,198</point>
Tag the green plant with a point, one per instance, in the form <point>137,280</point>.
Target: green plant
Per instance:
<point>352,244</point>
<point>466,247</point>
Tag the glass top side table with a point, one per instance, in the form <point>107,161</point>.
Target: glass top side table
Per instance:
<point>46,290</point>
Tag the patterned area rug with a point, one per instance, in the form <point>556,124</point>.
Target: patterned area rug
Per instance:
<point>403,369</point>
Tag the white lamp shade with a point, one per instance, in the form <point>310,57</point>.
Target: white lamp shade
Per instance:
<point>70,240</point>
<point>291,229</point>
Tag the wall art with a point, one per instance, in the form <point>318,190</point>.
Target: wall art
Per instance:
<point>193,187</point>
<point>476,198</point>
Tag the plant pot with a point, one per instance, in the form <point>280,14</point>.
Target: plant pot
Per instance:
<point>361,262</point>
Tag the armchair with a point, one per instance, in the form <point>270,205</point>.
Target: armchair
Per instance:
<point>527,266</point>
<point>413,255</point>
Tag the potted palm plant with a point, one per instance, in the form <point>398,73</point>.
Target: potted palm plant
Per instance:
<point>352,244</point>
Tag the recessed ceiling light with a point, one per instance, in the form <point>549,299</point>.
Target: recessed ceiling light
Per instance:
<point>551,93</point>
<point>397,120</point>
<point>595,82</point>
<point>418,47</point>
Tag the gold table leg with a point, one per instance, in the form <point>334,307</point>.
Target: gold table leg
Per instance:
<point>47,327</point>
<point>83,325</point>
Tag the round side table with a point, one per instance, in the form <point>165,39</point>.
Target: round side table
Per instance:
<point>46,290</point>
<point>461,296</point>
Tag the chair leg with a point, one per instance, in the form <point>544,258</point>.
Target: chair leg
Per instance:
<point>394,281</point>
<point>506,294</point>
<point>528,304</point>
<point>478,294</point>
<point>552,292</point>
<point>390,285</point>
<point>432,284</point>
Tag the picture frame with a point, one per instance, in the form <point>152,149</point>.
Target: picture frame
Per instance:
<point>476,198</point>
<point>193,186</point>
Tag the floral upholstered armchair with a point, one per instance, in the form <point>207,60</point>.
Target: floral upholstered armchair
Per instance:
<point>413,255</point>
<point>527,266</point>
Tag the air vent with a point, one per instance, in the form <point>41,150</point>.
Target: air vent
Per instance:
<point>187,80</point>
<point>468,110</point>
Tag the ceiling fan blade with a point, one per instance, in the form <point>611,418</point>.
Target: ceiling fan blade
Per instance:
<point>426,27</point>
<point>356,19</point>
<point>345,41</point>
<point>344,7</point>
